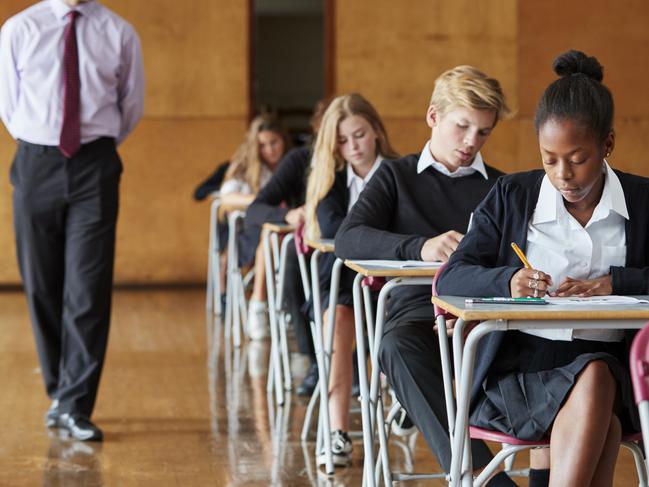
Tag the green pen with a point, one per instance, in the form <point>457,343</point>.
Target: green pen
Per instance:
<point>502,300</point>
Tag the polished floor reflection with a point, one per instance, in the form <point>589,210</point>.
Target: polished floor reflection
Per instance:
<point>178,405</point>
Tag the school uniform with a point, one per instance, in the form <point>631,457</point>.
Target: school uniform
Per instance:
<point>406,202</point>
<point>331,212</point>
<point>524,208</point>
<point>212,183</point>
<point>285,190</point>
<point>247,241</point>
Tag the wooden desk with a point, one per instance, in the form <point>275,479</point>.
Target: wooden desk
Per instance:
<point>279,228</point>
<point>324,245</point>
<point>502,317</point>
<point>375,269</point>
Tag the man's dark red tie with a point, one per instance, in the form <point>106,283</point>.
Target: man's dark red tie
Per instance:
<point>70,140</point>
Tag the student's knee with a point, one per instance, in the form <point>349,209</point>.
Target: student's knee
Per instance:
<point>389,350</point>
<point>597,375</point>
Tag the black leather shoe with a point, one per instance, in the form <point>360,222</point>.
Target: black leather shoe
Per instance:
<point>79,427</point>
<point>307,386</point>
<point>52,414</point>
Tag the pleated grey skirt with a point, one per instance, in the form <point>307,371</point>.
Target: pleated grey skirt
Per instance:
<point>531,378</point>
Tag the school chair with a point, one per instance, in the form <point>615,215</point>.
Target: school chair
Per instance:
<point>639,365</point>
<point>213,292</point>
<point>462,465</point>
<point>279,373</point>
<point>236,307</point>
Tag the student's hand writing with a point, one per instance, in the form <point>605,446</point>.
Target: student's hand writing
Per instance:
<point>295,216</point>
<point>602,286</point>
<point>529,283</point>
<point>441,247</point>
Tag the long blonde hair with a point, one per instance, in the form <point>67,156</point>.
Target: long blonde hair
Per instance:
<point>245,164</point>
<point>326,157</point>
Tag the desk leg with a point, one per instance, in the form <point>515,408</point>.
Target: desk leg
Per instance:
<point>460,442</point>
<point>279,308</point>
<point>275,359</point>
<point>368,446</point>
<point>323,371</point>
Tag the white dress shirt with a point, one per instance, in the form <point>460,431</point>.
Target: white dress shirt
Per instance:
<point>356,184</point>
<point>31,73</point>
<point>426,160</point>
<point>558,245</point>
<point>241,186</point>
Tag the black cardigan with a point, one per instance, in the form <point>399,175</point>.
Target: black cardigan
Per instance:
<point>331,212</point>
<point>288,186</point>
<point>285,190</point>
<point>484,263</point>
<point>212,183</point>
<point>398,211</point>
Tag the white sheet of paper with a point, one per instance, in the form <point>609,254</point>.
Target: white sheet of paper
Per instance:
<point>399,264</point>
<point>595,300</point>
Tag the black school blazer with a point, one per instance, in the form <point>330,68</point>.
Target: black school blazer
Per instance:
<point>484,262</point>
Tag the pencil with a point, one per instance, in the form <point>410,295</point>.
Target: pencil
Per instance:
<point>521,255</point>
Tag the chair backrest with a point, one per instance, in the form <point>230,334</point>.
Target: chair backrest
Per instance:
<point>301,247</point>
<point>439,311</point>
<point>639,365</point>
<point>374,283</point>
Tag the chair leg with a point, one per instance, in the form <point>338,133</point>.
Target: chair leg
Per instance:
<point>308,416</point>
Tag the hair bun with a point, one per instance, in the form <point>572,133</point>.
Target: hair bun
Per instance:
<point>576,62</point>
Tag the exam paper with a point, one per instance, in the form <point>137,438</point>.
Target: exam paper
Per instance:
<point>399,264</point>
<point>595,300</point>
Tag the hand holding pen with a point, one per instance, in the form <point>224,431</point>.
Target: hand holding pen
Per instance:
<point>528,282</point>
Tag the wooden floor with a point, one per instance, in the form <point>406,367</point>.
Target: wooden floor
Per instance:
<point>178,406</point>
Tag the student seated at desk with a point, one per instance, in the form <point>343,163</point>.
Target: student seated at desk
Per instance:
<point>417,207</point>
<point>351,144</point>
<point>282,201</point>
<point>586,232</point>
<point>251,168</point>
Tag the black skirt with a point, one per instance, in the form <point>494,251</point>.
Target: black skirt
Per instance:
<point>531,378</point>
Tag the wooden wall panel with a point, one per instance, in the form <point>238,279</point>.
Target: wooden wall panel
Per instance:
<point>392,52</point>
<point>618,37</point>
<point>395,55</point>
<point>195,55</point>
<point>196,109</point>
<point>162,233</point>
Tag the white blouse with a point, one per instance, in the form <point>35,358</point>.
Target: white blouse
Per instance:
<point>240,186</point>
<point>356,184</point>
<point>558,245</point>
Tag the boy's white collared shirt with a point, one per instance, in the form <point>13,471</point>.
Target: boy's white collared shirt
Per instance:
<point>559,246</point>
<point>426,160</point>
<point>356,184</point>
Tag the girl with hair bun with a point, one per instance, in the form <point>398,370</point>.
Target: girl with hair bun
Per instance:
<point>585,230</point>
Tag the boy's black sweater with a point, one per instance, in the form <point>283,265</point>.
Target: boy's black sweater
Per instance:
<point>398,211</point>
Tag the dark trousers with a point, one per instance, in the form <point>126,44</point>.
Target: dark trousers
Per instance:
<point>410,358</point>
<point>294,303</point>
<point>65,212</point>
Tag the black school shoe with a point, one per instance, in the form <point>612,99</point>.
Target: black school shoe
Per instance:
<point>79,427</point>
<point>310,381</point>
